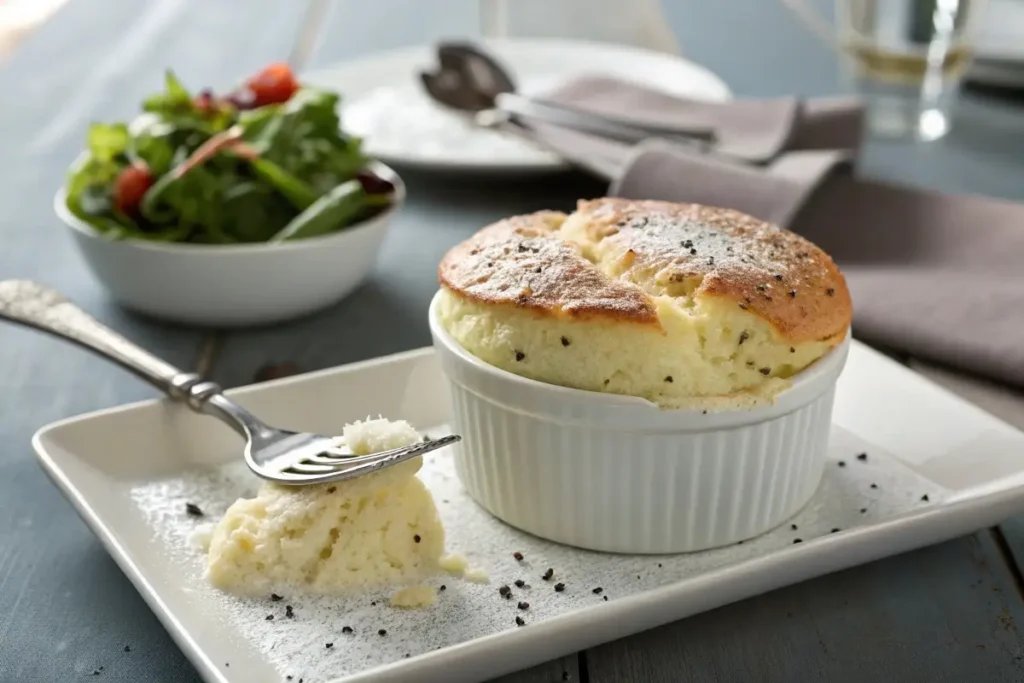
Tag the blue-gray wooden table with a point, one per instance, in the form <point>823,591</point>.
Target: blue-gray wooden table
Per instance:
<point>948,613</point>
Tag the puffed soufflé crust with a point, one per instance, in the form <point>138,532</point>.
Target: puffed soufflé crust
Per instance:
<point>609,257</point>
<point>654,299</point>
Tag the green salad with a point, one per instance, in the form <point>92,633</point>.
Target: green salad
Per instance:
<point>267,162</point>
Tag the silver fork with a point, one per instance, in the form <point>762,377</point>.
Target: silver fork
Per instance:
<point>278,455</point>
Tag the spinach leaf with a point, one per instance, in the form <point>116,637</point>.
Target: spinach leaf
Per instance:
<point>302,136</point>
<point>177,107</point>
<point>90,182</point>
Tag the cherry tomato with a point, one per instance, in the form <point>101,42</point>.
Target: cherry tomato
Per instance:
<point>273,85</point>
<point>130,186</point>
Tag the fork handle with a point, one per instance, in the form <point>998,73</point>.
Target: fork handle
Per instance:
<point>33,305</point>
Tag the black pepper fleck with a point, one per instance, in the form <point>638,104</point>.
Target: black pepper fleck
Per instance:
<point>127,648</point>
<point>797,540</point>
<point>863,511</point>
<point>274,597</point>
<point>793,527</point>
<point>417,538</point>
<point>520,583</point>
<point>193,510</point>
<point>597,591</point>
<point>505,592</point>
<point>288,612</point>
<point>332,489</point>
<point>874,486</point>
<point>792,293</point>
<point>605,598</point>
<point>687,244</point>
<point>703,412</point>
<point>669,379</point>
<point>520,355</point>
<point>559,587</point>
<point>743,306</point>
<point>373,603</point>
<point>830,292</point>
<point>841,463</point>
<point>778,277</point>
<point>548,574</point>
<point>693,252</point>
<point>443,587</point>
<point>862,457</point>
<point>346,629</point>
<point>659,565</point>
<point>520,622</point>
<point>328,645</point>
<point>835,531</point>
<point>518,555</point>
<point>270,617</point>
<point>792,349</point>
<point>744,337</point>
<point>523,605</point>
<point>565,341</point>
<point>924,498</point>
<point>382,632</point>
<point>765,371</point>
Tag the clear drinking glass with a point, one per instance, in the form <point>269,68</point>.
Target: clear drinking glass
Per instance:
<point>906,57</point>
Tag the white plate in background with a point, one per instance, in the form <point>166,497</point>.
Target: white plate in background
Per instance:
<point>383,101</point>
<point>129,470</point>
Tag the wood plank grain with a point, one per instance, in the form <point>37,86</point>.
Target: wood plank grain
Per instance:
<point>945,613</point>
<point>564,669</point>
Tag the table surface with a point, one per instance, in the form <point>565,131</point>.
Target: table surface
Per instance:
<point>945,613</point>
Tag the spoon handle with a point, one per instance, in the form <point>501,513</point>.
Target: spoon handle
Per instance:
<point>518,105</point>
<point>33,305</point>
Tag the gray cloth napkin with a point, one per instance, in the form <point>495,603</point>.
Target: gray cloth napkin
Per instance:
<point>934,275</point>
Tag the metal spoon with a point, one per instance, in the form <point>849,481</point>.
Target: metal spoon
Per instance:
<point>470,80</point>
<point>278,455</point>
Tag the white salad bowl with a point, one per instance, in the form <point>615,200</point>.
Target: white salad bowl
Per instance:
<point>620,474</point>
<point>234,285</point>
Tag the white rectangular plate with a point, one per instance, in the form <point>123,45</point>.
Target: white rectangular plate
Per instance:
<point>936,468</point>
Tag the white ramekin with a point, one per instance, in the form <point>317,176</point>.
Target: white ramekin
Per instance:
<point>618,473</point>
